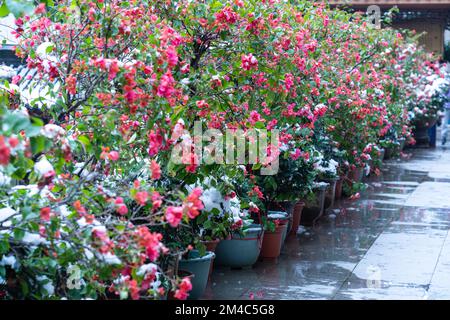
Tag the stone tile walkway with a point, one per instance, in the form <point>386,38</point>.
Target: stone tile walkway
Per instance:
<point>393,243</point>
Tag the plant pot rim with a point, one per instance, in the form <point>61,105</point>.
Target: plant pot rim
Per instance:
<point>321,187</point>
<point>217,240</point>
<point>278,229</point>
<point>208,256</point>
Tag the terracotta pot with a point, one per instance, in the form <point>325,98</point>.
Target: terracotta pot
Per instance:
<point>271,245</point>
<point>211,244</point>
<point>356,175</point>
<point>339,185</point>
<point>282,218</point>
<point>283,206</point>
<point>296,217</point>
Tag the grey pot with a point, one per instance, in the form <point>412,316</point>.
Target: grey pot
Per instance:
<point>238,251</point>
<point>199,267</point>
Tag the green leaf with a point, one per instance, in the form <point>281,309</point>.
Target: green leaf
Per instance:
<point>19,234</point>
<point>37,144</point>
<point>4,11</point>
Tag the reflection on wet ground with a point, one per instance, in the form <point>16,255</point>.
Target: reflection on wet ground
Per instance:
<point>393,243</point>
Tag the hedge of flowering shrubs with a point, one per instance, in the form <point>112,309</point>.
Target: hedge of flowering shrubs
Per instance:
<point>86,174</point>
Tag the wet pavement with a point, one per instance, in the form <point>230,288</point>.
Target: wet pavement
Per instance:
<point>392,243</point>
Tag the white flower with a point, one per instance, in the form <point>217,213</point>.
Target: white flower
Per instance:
<point>43,167</point>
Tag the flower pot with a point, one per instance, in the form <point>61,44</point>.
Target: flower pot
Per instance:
<point>382,154</point>
<point>238,252</point>
<point>356,175</point>
<point>199,267</point>
<point>339,185</point>
<point>420,131</point>
<point>314,206</point>
<point>283,206</point>
<point>296,217</point>
<point>330,193</point>
<point>271,245</point>
<point>211,245</point>
<point>283,218</point>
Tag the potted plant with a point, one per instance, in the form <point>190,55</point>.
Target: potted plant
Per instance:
<point>314,204</point>
<point>273,238</point>
<point>242,248</point>
<point>199,265</point>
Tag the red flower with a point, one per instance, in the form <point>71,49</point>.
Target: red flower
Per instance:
<point>185,286</point>
<point>134,289</point>
<point>13,142</point>
<point>45,214</point>
<point>193,203</point>
<point>174,215</point>
<point>71,84</point>
<point>150,241</point>
<point>78,207</point>
<point>4,152</point>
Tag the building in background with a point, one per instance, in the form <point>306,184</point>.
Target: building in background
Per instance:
<point>429,16</point>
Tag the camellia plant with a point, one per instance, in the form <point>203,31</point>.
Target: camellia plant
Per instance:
<point>94,204</point>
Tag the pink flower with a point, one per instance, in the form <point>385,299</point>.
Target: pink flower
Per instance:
<point>296,154</point>
<point>174,215</point>
<point>40,9</point>
<point>122,209</point>
<point>156,200</point>
<point>113,156</point>
<point>172,56</point>
<point>156,170</point>
<point>182,292</point>
<point>193,203</point>
<point>155,143</point>
<point>254,117</point>
<point>141,197</point>
<point>166,85</point>
<point>249,62</point>
<point>151,241</point>
<point>185,68</point>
